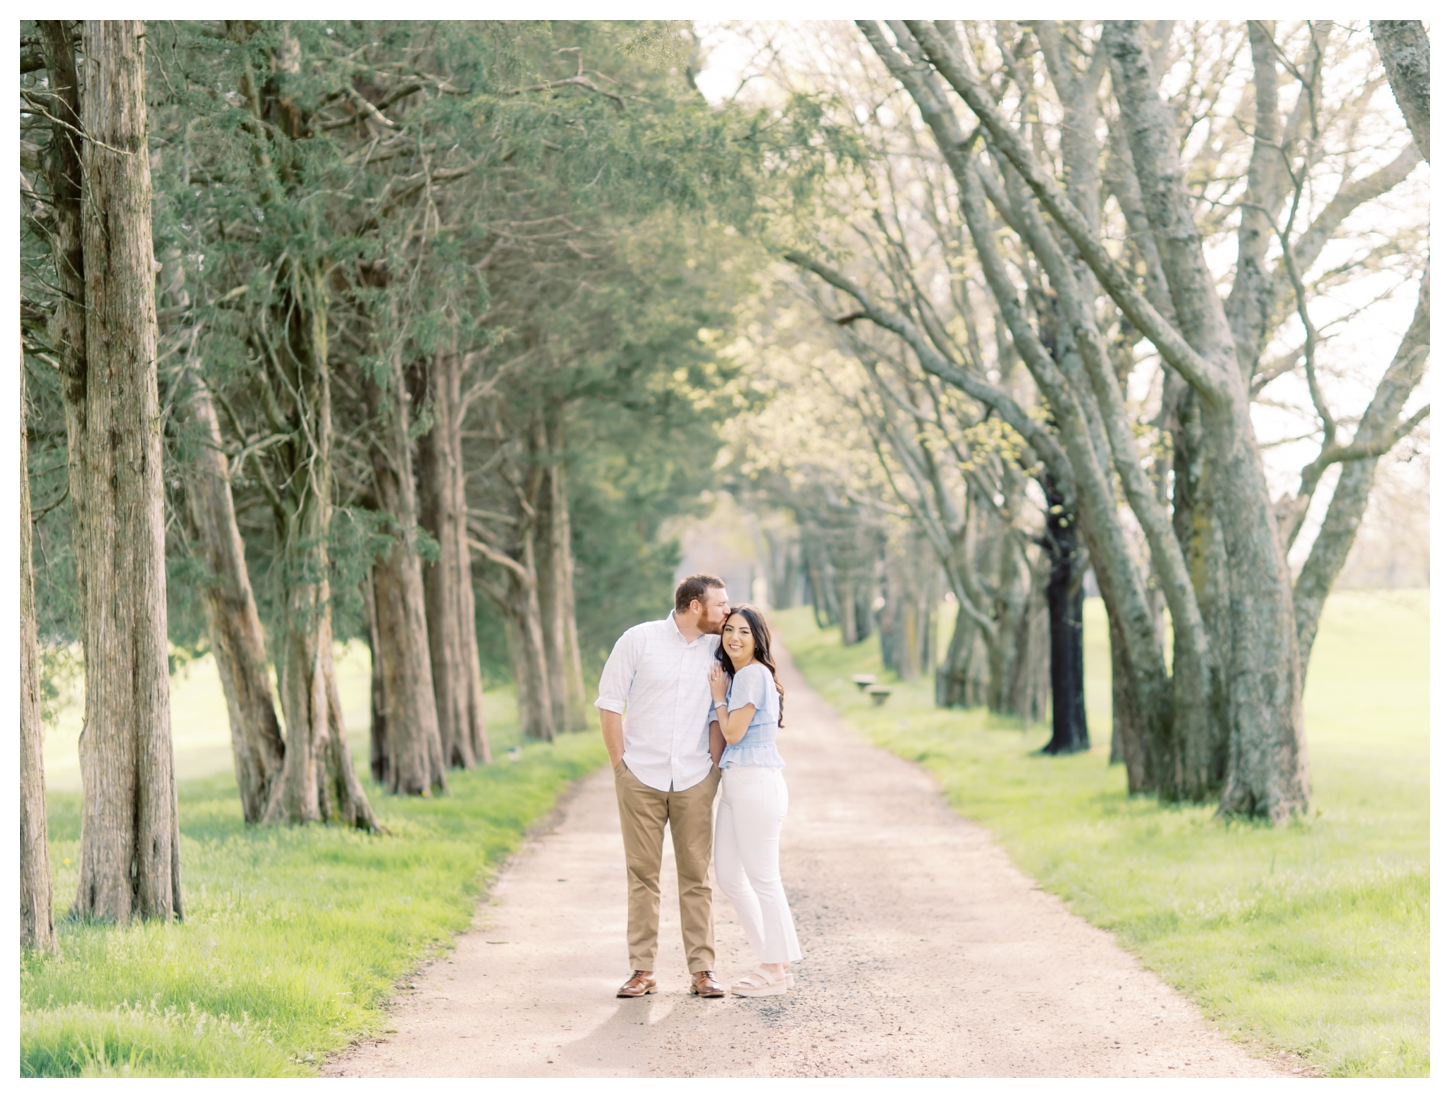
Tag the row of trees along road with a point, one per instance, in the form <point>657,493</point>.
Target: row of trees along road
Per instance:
<point>1038,223</point>
<point>328,326</point>
<point>331,328</point>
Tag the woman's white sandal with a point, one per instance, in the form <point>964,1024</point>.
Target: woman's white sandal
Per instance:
<point>758,983</point>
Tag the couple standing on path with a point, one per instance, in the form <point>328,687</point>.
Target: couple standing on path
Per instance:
<point>703,703</point>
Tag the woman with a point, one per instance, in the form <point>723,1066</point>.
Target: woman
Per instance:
<point>748,707</point>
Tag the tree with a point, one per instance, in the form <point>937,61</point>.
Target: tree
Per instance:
<point>1260,726</point>
<point>37,923</point>
<point>1072,201</point>
<point>452,631</point>
<point>130,859</point>
<point>233,622</point>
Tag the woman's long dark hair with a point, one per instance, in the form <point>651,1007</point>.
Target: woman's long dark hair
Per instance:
<point>761,633</point>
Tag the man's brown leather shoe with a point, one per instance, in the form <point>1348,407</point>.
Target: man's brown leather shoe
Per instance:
<point>704,985</point>
<point>637,985</point>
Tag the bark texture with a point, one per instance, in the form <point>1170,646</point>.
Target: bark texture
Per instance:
<point>1405,50</point>
<point>37,918</point>
<point>448,581</point>
<point>1267,767</point>
<point>68,330</point>
<point>311,788</point>
<point>130,862</point>
<point>1182,722</point>
<point>233,623</point>
<point>416,763</point>
<point>1064,612</point>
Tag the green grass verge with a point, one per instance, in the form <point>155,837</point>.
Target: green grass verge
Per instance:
<point>1313,937</point>
<point>293,936</point>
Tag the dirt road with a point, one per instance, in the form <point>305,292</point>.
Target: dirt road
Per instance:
<point>926,954</point>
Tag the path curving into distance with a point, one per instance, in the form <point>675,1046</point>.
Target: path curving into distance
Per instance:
<point>927,953</point>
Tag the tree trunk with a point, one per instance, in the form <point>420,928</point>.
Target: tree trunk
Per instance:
<point>37,919</point>
<point>952,675</point>
<point>308,785</point>
<point>1029,685</point>
<point>448,582</point>
<point>1064,612</point>
<point>820,578</point>
<point>130,842</point>
<point>1404,48</point>
<point>1267,769</point>
<point>1193,763</point>
<point>519,604</point>
<point>318,782</point>
<point>1267,774</point>
<point>1132,739</point>
<point>305,634</point>
<point>414,751</point>
<point>415,748</point>
<point>68,330</point>
<point>344,797</point>
<point>233,624</point>
<point>1011,610</point>
<point>847,602</point>
<point>378,726</point>
<point>555,559</point>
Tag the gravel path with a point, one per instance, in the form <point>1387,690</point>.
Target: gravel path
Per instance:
<point>927,953</point>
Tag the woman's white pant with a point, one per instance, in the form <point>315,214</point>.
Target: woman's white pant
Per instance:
<point>753,802</point>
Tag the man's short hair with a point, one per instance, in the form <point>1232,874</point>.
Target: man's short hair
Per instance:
<point>694,587</point>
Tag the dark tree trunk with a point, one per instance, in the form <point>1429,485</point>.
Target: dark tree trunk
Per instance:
<point>233,624</point>
<point>378,727</point>
<point>448,582</point>
<point>416,763</point>
<point>37,919</point>
<point>130,843</point>
<point>1064,613</point>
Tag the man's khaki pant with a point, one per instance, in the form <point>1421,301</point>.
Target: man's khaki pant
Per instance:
<point>642,815</point>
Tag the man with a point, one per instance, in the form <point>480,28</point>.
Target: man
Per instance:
<point>664,770</point>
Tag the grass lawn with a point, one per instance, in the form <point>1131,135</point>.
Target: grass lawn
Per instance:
<point>1314,937</point>
<point>293,936</point>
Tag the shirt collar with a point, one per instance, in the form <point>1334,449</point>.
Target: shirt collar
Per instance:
<point>675,625</point>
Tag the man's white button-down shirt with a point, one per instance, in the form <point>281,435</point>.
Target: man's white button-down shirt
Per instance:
<point>661,683</point>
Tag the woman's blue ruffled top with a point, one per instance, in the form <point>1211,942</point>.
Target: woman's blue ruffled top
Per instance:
<point>754,685</point>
